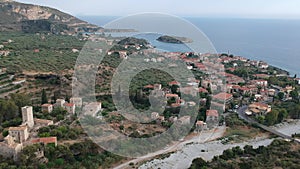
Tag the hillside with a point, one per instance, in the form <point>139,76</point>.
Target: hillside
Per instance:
<point>15,16</point>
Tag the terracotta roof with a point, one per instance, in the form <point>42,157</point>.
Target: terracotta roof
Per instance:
<point>174,83</point>
<point>43,121</point>
<point>45,140</point>
<point>175,105</point>
<point>200,123</point>
<point>171,95</point>
<point>200,66</point>
<point>202,90</point>
<point>223,96</point>
<point>46,105</point>
<point>69,104</point>
<point>245,89</point>
<point>259,105</point>
<point>212,113</point>
<point>149,87</point>
<point>185,118</point>
<point>236,86</point>
<point>17,128</point>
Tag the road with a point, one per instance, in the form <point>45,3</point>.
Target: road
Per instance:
<point>206,137</point>
<point>242,115</point>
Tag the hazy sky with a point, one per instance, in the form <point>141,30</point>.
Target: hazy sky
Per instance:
<point>204,8</point>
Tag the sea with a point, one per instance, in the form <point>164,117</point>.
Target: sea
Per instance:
<point>275,41</point>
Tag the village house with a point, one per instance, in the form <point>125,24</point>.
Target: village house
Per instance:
<point>92,108</point>
<point>205,83</point>
<point>172,119</point>
<point>260,82</point>
<point>59,103</point>
<point>212,118</point>
<point>70,108</point>
<point>4,52</point>
<point>154,115</point>
<point>18,137</point>
<point>233,79</point>
<point>42,122</point>
<point>189,90</point>
<point>148,87</point>
<point>160,119</point>
<point>202,90</point>
<point>184,120</point>
<point>47,108</point>
<point>174,83</point>
<point>45,140</point>
<point>297,81</point>
<point>201,125</point>
<point>20,134</point>
<point>259,109</point>
<point>123,54</point>
<point>263,65</point>
<point>157,86</point>
<point>245,91</point>
<point>271,92</point>
<point>77,101</point>
<point>169,96</point>
<point>223,97</point>
<point>10,149</point>
<point>179,102</point>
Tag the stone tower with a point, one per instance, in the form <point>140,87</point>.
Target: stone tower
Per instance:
<point>27,116</point>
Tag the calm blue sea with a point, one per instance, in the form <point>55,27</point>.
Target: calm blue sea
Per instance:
<point>274,41</point>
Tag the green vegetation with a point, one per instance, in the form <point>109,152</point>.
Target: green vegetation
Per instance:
<point>62,132</point>
<point>39,52</point>
<point>173,39</point>
<point>44,98</point>
<point>10,109</point>
<point>280,154</point>
<point>238,130</point>
<point>281,111</point>
<point>78,155</point>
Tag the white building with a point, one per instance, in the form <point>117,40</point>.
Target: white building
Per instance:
<point>77,101</point>
<point>47,108</point>
<point>59,103</point>
<point>70,107</point>
<point>184,120</point>
<point>92,108</point>
<point>27,116</point>
<point>20,134</point>
<point>154,116</point>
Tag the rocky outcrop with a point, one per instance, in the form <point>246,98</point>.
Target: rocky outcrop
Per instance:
<point>16,16</point>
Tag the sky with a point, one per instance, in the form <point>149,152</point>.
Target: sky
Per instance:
<point>288,9</point>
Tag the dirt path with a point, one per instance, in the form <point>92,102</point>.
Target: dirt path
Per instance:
<point>199,138</point>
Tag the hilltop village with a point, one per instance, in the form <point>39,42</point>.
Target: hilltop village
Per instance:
<point>224,83</point>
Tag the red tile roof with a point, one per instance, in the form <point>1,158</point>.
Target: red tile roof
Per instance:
<point>46,105</point>
<point>149,87</point>
<point>174,83</point>
<point>245,89</point>
<point>213,113</point>
<point>172,95</point>
<point>45,140</point>
<point>223,96</point>
<point>69,104</point>
<point>202,90</point>
<point>200,123</point>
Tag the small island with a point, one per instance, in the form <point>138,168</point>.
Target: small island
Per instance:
<point>174,39</point>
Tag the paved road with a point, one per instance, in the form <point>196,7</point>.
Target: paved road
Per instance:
<point>242,115</point>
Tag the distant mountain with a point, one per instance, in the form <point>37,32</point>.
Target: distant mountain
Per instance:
<point>15,16</point>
